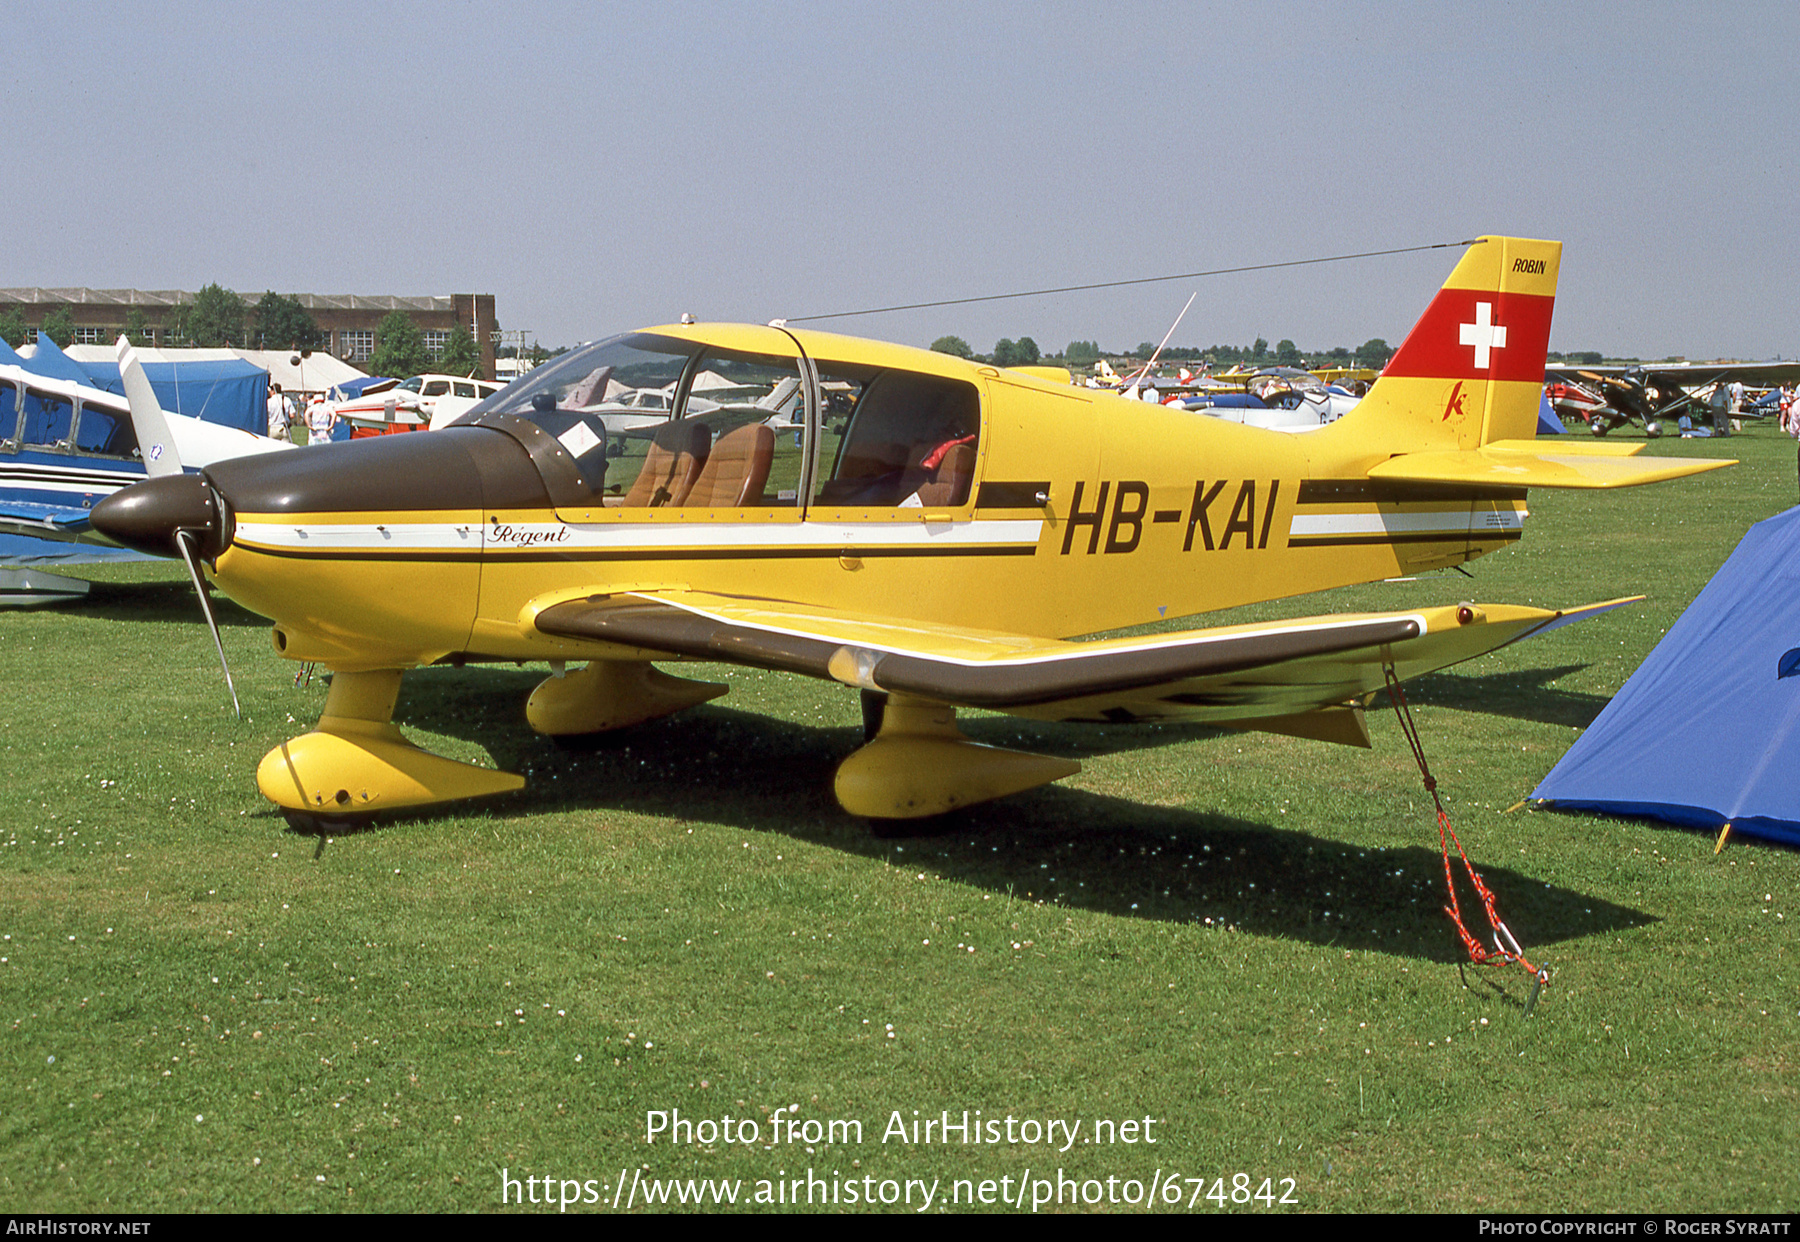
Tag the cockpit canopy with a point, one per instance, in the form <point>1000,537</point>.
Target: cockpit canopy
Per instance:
<point>655,421</point>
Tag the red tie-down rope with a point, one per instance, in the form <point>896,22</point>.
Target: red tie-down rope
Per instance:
<point>1506,948</point>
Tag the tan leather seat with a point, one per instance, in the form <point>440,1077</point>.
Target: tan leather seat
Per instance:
<point>735,470</point>
<point>949,483</point>
<point>671,467</point>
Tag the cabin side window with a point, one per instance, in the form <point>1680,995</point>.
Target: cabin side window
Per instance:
<point>9,415</point>
<point>104,433</point>
<point>48,419</point>
<point>747,412</point>
<point>896,439</point>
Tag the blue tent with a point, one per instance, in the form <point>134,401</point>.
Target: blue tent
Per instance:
<point>1548,423</point>
<point>1726,675</point>
<point>232,392</point>
<point>51,361</point>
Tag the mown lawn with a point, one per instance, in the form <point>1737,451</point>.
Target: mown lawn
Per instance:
<point>1238,937</point>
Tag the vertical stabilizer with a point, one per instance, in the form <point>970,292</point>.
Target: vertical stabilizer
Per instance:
<point>1471,369</point>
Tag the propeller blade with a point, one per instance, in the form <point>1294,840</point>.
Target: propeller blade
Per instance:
<point>185,541</point>
<point>154,440</point>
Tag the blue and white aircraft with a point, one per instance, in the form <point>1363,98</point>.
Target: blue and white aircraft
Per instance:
<point>65,446</point>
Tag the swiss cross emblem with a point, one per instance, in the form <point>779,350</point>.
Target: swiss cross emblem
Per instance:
<point>1484,334</point>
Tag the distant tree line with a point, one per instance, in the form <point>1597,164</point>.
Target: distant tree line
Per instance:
<point>1373,352</point>
<point>1025,352</point>
<point>217,318</point>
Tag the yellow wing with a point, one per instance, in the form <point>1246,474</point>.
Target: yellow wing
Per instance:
<point>1304,676</point>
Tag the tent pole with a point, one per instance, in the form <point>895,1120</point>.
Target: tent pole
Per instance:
<point>1724,832</point>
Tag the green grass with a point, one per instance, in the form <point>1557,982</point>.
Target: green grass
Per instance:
<point>1236,935</point>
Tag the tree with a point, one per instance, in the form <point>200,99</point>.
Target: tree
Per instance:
<point>1006,354</point>
<point>1081,353</point>
<point>12,327</point>
<point>1145,350</point>
<point>59,326</point>
<point>462,356</point>
<point>137,328</point>
<point>1260,350</point>
<point>215,319</point>
<point>953,345</point>
<point>1029,354</point>
<point>399,346</point>
<point>282,323</point>
<point>1286,352</point>
<point>1373,352</point>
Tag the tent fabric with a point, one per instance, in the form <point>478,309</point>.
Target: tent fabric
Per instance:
<point>222,389</point>
<point>1716,677</point>
<point>318,372</point>
<point>1548,423</point>
<point>47,359</point>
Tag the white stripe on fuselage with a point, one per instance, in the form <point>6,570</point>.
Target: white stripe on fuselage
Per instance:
<point>634,536</point>
<point>1308,525</point>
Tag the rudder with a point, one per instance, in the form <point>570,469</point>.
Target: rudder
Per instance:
<point>1471,370</point>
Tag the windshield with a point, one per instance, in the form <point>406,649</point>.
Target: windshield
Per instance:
<point>410,385</point>
<point>602,374</point>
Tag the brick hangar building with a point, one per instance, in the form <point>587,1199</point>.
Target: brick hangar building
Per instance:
<point>349,321</point>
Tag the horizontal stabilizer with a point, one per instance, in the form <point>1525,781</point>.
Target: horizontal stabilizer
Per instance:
<point>1497,466</point>
<point>1569,448</point>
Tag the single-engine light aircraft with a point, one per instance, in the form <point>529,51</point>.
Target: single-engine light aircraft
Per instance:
<point>933,532</point>
<point>64,446</point>
<point>1658,393</point>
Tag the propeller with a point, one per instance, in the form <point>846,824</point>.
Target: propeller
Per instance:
<point>155,443</point>
<point>162,460</point>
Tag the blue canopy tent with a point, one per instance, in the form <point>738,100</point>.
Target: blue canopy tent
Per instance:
<point>230,392</point>
<point>1728,673</point>
<point>1548,423</point>
<point>51,361</point>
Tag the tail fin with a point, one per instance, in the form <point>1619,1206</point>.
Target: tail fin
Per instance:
<point>1470,371</point>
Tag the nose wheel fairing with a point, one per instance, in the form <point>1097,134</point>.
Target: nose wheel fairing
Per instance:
<point>356,763</point>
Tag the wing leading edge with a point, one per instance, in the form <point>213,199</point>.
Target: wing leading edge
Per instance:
<point>1274,675</point>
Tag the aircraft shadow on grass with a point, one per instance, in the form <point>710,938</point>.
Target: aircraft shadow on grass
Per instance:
<point>163,602</point>
<point>1079,849</point>
<point>1525,695</point>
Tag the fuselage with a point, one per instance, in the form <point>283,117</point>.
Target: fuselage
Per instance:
<point>1072,512</point>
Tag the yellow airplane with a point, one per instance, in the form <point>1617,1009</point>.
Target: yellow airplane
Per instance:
<point>929,531</point>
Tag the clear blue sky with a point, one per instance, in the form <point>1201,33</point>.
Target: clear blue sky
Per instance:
<point>602,166</point>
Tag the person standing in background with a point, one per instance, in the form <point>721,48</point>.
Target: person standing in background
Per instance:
<point>280,414</point>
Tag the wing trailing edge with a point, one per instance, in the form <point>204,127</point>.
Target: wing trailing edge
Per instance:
<point>1298,677</point>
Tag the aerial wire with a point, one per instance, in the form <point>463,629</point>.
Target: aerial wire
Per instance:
<point>1142,280</point>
